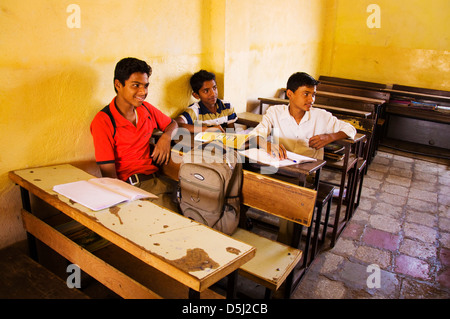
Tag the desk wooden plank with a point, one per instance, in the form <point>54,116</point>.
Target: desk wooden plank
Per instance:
<point>289,201</point>
<point>23,278</point>
<point>268,259</point>
<point>416,113</point>
<point>341,110</point>
<point>350,97</point>
<point>249,119</point>
<point>421,93</point>
<point>352,83</point>
<point>97,268</point>
<point>145,230</point>
<point>273,100</point>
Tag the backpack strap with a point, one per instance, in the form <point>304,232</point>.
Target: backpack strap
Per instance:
<point>107,110</point>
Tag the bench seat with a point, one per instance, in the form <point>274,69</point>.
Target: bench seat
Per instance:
<point>272,263</point>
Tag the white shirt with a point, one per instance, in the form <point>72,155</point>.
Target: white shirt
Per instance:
<point>295,137</point>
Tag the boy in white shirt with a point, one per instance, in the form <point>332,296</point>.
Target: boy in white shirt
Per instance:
<point>299,127</point>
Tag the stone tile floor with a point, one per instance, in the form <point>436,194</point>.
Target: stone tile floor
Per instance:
<point>400,231</point>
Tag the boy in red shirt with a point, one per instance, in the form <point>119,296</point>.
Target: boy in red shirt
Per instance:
<point>122,132</point>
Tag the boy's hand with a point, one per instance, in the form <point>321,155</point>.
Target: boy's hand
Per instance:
<point>161,153</point>
<point>276,150</point>
<point>319,141</point>
<point>214,129</point>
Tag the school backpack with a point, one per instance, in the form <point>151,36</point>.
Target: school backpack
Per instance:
<point>210,181</point>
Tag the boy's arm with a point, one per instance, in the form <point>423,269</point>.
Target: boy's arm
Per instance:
<point>260,132</point>
<point>274,150</point>
<point>319,141</point>
<point>161,153</point>
<point>108,170</point>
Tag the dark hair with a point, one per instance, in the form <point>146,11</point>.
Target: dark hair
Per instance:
<point>198,78</point>
<point>299,79</point>
<point>127,66</point>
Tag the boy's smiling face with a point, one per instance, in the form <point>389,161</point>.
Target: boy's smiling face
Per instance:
<point>135,90</point>
<point>208,94</point>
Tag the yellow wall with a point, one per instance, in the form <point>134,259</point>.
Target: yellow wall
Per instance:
<point>266,42</point>
<point>412,46</point>
<point>55,79</point>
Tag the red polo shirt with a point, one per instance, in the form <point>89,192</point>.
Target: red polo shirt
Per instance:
<point>129,149</point>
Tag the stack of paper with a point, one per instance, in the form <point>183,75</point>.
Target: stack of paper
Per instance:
<point>101,193</point>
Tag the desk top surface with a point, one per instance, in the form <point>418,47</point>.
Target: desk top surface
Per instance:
<point>350,97</point>
<point>190,252</point>
<point>331,95</point>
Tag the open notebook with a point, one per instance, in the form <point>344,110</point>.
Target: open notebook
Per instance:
<point>261,156</point>
<point>101,193</point>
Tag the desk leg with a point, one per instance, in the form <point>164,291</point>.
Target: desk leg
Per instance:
<point>317,179</point>
<point>26,204</point>
<point>232,285</point>
<point>194,294</point>
<point>296,235</point>
<point>302,180</point>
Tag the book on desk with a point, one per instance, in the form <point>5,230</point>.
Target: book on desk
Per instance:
<point>232,140</point>
<point>258,155</point>
<point>101,193</point>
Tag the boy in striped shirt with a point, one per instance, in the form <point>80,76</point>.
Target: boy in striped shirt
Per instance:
<point>209,113</point>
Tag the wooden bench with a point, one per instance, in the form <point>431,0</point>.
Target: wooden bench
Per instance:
<point>362,89</point>
<point>332,105</point>
<point>23,278</point>
<point>274,262</point>
<point>393,125</point>
<point>425,109</point>
<point>363,153</point>
<point>352,83</point>
<point>116,280</point>
<point>346,166</point>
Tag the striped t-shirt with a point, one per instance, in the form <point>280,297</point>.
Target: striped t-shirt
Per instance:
<point>197,113</point>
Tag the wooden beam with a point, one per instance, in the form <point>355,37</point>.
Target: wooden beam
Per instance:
<point>115,280</point>
<point>279,198</point>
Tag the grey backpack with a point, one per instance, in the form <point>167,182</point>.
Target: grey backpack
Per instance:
<point>210,181</point>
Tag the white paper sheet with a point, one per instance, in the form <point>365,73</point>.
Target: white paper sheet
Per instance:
<point>101,193</point>
<point>261,156</point>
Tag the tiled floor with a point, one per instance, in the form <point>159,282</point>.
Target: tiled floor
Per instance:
<point>397,244</point>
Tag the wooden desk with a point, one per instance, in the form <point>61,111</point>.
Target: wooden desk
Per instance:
<point>432,126</point>
<point>371,86</point>
<point>349,97</point>
<point>167,241</point>
<point>347,167</point>
<point>344,111</point>
<point>267,192</point>
<point>330,108</point>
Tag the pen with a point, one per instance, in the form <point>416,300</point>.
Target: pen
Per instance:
<point>292,160</point>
